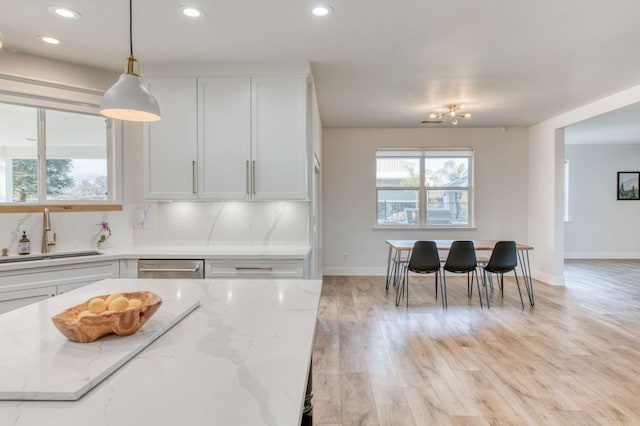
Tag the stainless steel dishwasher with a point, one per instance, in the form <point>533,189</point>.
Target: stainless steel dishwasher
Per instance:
<point>171,268</point>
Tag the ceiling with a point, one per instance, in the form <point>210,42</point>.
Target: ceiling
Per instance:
<point>375,63</point>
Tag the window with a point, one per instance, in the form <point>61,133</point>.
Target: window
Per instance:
<point>428,187</point>
<point>49,156</point>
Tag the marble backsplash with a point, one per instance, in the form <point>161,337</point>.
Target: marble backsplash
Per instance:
<point>180,223</point>
<point>74,231</point>
<point>222,223</point>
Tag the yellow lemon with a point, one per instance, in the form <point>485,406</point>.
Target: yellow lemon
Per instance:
<point>96,305</point>
<point>119,304</point>
<point>85,314</point>
<point>111,297</point>
<point>135,303</point>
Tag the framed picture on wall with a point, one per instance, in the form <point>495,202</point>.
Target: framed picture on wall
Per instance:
<point>628,185</point>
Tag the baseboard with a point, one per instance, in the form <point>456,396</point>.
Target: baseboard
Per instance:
<point>554,280</point>
<point>602,255</point>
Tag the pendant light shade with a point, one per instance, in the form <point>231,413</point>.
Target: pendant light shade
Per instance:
<point>129,99</point>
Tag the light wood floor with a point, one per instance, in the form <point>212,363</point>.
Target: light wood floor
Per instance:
<point>574,359</point>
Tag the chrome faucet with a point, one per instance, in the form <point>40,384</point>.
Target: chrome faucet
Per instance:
<point>46,227</point>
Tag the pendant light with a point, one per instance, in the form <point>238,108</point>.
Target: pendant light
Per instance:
<point>129,99</point>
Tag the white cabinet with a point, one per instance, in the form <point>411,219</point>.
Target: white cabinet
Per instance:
<point>278,146</point>
<point>224,135</point>
<point>11,300</point>
<point>22,287</point>
<point>228,138</point>
<point>170,145</point>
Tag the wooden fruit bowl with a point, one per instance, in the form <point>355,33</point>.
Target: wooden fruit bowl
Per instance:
<point>90,328</point>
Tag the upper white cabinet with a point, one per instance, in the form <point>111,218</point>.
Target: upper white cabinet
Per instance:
<point>224,106</point>
<point>234,138</point>
<point>278,129</point>
<point>170,145</point>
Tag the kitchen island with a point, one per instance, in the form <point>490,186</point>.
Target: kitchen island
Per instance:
<point>241,358</point>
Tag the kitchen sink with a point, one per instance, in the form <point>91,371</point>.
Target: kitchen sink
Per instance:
<point>46,256</point>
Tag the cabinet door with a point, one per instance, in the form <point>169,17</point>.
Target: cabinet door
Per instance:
<point>11,300</point>
<point>170,145</point>
<point>279,137</point>
<point>224,106</point>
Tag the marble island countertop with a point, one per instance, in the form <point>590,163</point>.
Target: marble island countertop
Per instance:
<point>241,358</point>
<point>161,251</point>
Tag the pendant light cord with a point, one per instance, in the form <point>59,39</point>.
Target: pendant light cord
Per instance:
<point>130,27</point>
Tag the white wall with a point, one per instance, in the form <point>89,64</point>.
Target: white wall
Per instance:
<point>546,158</point>
<point>600,226</point>
<point>58,72</point>
<point>349,207</point>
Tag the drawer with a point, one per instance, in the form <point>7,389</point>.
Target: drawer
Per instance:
<point>57,275</point>
<point>11,300</point>
<point>246,268</point>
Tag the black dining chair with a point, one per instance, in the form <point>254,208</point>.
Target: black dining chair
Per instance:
<point>462,260</point>
<point>424,259</point>
<point>504,258</point>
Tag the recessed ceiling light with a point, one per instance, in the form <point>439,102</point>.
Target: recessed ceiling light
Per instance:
<point>64,12</point>
<point>50,40</point>
<point>321,10</point>
<point>190,12</point>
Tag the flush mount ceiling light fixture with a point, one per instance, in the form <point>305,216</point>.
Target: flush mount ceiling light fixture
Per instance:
<point>453,112</point>
<point>128,99</point>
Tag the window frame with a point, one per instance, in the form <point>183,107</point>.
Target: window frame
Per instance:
<point>566,193</point>
<point>83,102</point>
<point>422,154</point>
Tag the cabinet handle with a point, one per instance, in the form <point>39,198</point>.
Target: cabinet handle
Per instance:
<point>254,268</point>
<point>248,177</point>
<point>196,269</point>
<point>193,176</point>
<point>253,176</point>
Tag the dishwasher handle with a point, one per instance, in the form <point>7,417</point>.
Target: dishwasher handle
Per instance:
<point>196,269</point>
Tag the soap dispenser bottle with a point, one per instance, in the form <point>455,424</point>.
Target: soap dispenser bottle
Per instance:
<point>24,246</point>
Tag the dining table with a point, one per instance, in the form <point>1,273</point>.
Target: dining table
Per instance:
<point>400,251</point>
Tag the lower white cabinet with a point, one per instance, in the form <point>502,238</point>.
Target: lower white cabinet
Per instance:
<point>10,300</point>
<point>22,287</point>
<point>260,268</point>
<point>235,268</point>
